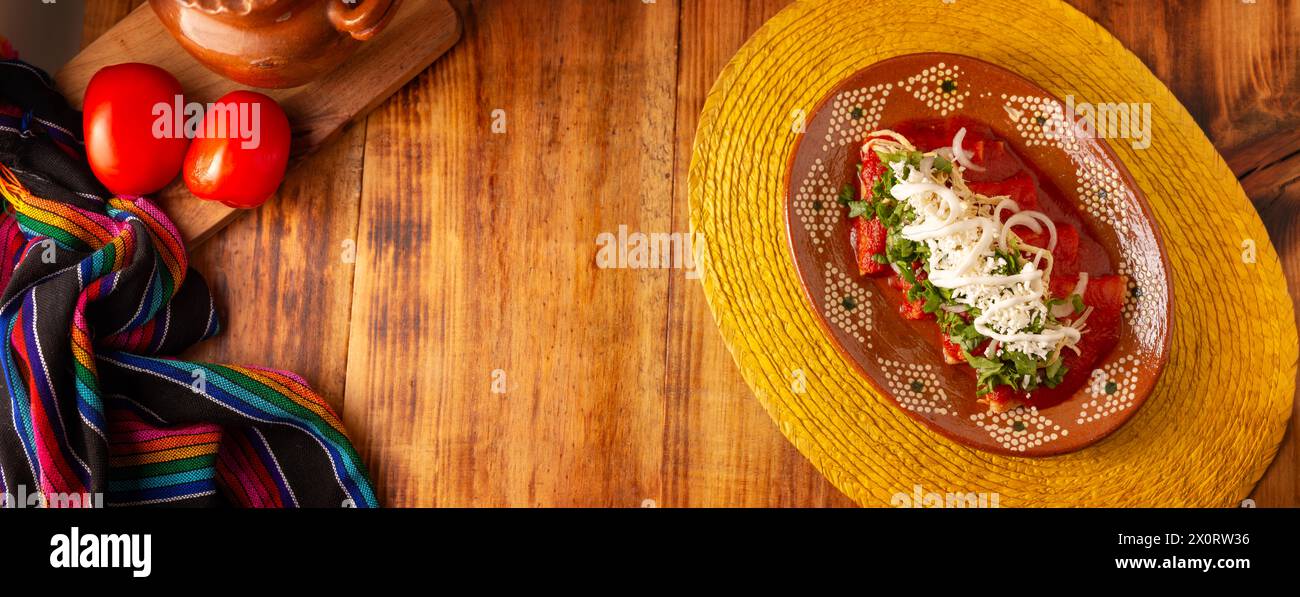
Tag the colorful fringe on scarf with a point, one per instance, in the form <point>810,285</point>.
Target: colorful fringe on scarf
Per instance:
<point>96,290</point>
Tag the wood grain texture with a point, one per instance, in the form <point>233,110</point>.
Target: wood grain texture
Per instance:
<point>283,273</point>
<point>477,255</point>
<point>101,15</point>
<point>421,31</point>
<point>722,449</point>
<point>598,412</point>
<point>1236,67</point>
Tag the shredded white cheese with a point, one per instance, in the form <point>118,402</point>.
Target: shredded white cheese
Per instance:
<point>963,230</point>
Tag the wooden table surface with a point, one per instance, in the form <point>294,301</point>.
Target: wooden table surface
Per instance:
<point>423,261</point>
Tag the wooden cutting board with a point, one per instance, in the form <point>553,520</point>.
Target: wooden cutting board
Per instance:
<point>420,32</point>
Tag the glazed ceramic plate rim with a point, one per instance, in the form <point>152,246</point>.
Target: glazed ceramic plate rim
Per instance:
<point>1163,348</point>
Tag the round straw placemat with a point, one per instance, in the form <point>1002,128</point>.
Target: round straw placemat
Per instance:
<point>1218,413</point>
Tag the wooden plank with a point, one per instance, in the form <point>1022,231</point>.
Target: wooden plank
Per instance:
<point>1238,92</point>
<point>282,277</point>
<point>477,255</point>
<point>421,31</point>
<point>721,448</point>
<point>101,15</point>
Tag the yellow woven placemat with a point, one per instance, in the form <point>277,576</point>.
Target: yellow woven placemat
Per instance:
<point>1203,438</point>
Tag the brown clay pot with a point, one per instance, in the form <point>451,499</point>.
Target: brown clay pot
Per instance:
<point>273,43</point>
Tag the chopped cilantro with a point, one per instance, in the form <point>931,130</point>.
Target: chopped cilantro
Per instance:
<point>1010,262</point>
<point>1054,372</point>
<point>942,164</point>
<point>1077,301</point>
<point>846,194</point>
<point>1019,371</point>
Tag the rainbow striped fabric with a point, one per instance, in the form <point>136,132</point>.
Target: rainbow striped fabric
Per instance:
<point>97,291</point>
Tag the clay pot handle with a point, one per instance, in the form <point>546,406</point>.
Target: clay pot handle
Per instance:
<point>362,20</point>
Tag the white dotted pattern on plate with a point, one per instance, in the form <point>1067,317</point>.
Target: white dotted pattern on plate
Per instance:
<point>1101,192</point>
<point>1104,196</point>
<point>1041,122</point>
<point>847,304</point>
<point>916,387</point>
<point>1020,429</point>
<point>1111,389</point>
<point>816,206</point>
<point>855,113</point>
<point>938,87</point>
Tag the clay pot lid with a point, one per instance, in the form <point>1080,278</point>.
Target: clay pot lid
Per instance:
<point>236,7</point>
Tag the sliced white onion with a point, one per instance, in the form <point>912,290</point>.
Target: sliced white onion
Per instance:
<point>1003,205</point>
<point>1018,219</point>
<point>959,154</point>
<point>1081,286</point>
<point>1051,228</point>
<point>1082,321</point>
<point>927,167</point>
<point>1031,220</point>
<point>887,134</point>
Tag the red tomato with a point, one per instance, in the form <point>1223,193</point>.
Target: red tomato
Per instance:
<point>914,310</point>
<point>1019,187</point>
<point>872,170</point>
<point>1106,295</point>
<point>240,156</point>
<point>868,238</point>
<point>952,352</point>
<point>128,148</point>
<point>1066,255</point>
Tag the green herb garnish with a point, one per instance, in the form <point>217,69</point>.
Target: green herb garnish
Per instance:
<point>846,194</point>
<point>1020,371</point>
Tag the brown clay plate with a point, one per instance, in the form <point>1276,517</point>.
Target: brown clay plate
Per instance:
<point>902,358</point>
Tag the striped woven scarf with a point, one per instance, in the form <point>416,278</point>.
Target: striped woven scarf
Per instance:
<point>96,290</point>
